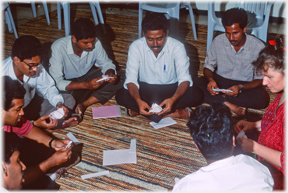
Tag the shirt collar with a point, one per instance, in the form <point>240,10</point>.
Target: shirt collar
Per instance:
<point>246,45</point>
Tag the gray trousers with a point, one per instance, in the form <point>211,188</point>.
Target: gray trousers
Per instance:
<point>103,93</point>
<point>39,106</point>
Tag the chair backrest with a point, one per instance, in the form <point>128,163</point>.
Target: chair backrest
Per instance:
<point>253,7</point>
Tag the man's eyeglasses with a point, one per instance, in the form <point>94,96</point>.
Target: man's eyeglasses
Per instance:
<point>32,67</point>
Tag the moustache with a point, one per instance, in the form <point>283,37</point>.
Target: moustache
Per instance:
<point>155,46</point>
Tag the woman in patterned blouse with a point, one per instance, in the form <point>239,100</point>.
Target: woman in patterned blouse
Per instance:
<point>270,145</point>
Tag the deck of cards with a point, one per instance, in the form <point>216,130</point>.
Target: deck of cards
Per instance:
<point>155,108</point>
<point>221,90</point>
<point>104,77</point>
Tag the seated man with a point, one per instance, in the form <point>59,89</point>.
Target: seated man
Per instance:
<point>228,65</point>
<point>158,72</point>
<point>42,97</point>
<point>13,168</point>
<point>211,130</point>
<point>74,66</point>
<point>13,121</point>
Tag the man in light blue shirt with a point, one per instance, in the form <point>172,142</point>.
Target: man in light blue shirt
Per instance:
<point>158,72</point>
<point>74,66</point>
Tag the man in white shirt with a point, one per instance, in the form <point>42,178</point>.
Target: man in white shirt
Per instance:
<point>212,132</point>
<point>74,66</point>
<point>42,97</point>
<point>12,167</point>
<point>158,72</point>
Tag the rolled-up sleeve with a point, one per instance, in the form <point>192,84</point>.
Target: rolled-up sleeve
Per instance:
<point>133,63</point>
<point>56,68</point>
<point>182,65</point>
<point>102,59</point>
<point>211,58</point>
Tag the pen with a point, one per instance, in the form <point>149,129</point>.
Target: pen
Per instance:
<point>164,67</point>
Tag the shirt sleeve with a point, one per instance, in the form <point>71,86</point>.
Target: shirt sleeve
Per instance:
<point>182,65</point>
<point>102,59</point>
<point>132,66</point>
<point>46,87</point>
<point>22,129</point>
<point>56,67</point>
<point>211,58</point>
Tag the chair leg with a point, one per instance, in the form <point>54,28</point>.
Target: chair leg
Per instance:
<point>210,35</point>
<point>46,12</point>
<point>139,22</point>
<point>94,13</point>
<point>33,9</point>
<point>192,22</point>
<point>59,15</point>
<point>12,22</point>
<point>97,5</point>
<point>66,11</point>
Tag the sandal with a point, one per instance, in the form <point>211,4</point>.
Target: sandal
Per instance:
<point>132,113</point>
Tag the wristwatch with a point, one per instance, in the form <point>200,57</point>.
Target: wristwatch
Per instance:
<point>241,89</point>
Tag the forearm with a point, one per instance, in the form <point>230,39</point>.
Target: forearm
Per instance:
<point>39,136</point>
<point>182,88</point>
<point>34,172</point>
<point>252,84</point>
<point>134,91</point>
<point>76,86</point>
<point>208,74</point>
<point>270,155</point>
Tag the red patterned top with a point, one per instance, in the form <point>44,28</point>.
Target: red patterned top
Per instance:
<point>272,129</point>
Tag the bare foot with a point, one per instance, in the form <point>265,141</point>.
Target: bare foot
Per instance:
<point>239,111</point>
<point>132,113</point>
<point>181,113</point>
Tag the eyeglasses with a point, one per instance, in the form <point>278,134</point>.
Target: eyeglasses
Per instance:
<point>32,67</point>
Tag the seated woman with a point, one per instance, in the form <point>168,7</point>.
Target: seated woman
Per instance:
<point>270,146</point>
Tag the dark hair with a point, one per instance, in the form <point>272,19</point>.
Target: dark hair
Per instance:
<point>83,28</point>
<point>155,21</point>
<point>13,89</point>
<point>211,130</point>
<point>11,144</point>
<point>272,56</point>
<point>235,15</point>
<point>26,47</point>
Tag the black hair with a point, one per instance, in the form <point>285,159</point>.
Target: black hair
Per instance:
<point>11,144</point>
<point>272,56</point>
<point>83,28</point>
<point>13,89</point>
<point>235,15</point>
<point>211,130</point>
<point>26,47</point>
<point>155,21</point>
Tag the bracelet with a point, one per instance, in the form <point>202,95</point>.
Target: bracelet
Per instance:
<point>240,91</point>
<point>50,142</point>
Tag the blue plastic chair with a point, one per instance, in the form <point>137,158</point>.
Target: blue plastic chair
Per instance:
<point>66,13</point>
<point>9,19</point>
<point>257,23</point>
<point>45,10</point>
<point>171,9</point>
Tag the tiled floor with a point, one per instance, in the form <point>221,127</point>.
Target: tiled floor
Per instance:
<point>23,12</point>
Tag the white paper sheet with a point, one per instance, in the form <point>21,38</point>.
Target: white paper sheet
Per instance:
<point>58,114</point>
<point>95,174</point>
<point>155,108</point>
<point>241,134</point>
<point>163,123</point>
<point>72,138</point>
<point>121,156</point>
